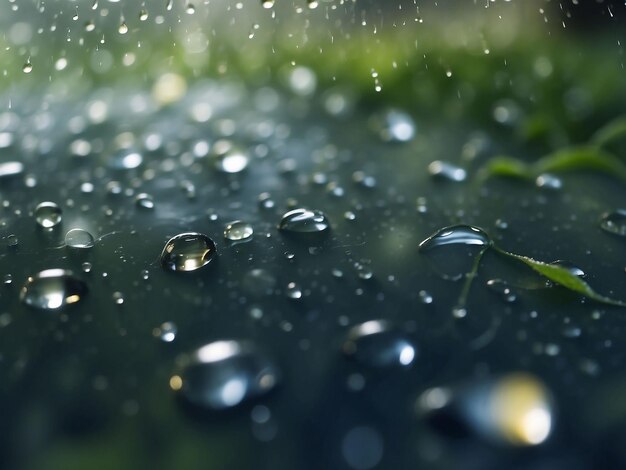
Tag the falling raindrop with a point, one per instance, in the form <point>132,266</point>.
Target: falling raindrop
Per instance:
<point>28,67</point>
<point>52,289</point>
<point>48,214</point>
<point>188,252</point>
<point>375,344</point>
<point>224,374</point>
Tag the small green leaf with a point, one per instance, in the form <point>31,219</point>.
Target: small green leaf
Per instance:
<point>610,132</point>
<point>580,158</point>
<point>564,278</point>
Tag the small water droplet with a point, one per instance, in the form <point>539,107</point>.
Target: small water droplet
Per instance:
<point>118,298</point>
<point>238,231</point>
<point>229,159</point>
<point>48,214</point>
<point>503,289</point>
<point>188,252</point>
<point>611,222</point>
<point>166,332</point>
<point>125,159</point>
<point>7,279</point>
<point>293,291</point>
<point>425,297</point>
<point>456,235</point>
<point>396,126</point>
<point>267,4</point>
<point>548,181</point>
<point>143,15</point>
<point>79,238</point>
<point>144,201</point>
<point>52,289</point>
<point>12,241</point>
<point>123,28</point>
<point>375,344</point>
<point>571,267</point>
<point>224,374</point>
<point>28,67</point>
<point>86,267</point>
<point>459,312</point>
<point>447,171</point>
<point>304,221</point>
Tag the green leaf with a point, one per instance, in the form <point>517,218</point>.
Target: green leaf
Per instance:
<point>580,158</point>
<point>506,166</point>
<point>563,277</point>
<point>610,132</point>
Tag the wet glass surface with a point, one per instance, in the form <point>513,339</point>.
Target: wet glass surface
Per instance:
<point>300,325</point>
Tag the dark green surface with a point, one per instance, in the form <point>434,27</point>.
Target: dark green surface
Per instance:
<point>88,387</point>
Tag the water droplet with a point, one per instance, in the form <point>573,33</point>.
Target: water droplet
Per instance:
<point>144,201</point>
<point>571,331</point>
<point>515,409</point>
<point>48,214</point>
<point>123,28</point>
<point>125,159</point>
<point>229,159</point>
<point>12,241</point>
<point>548,181</point>
<point>8,279</point>
<point>188,252</point>
<point>238,231</point>
<point>503,289</point>
<point>572,268</point>
<point>118,298</point>
<point>459,312</point>
<point>52,289</point>
<point>304,221</point>
<point>293,291</point>
<point>312,4</point>
<point>143,15</point>
<point>79,238</point>
<point>224,374</point>
<point>267,4</point>
<point>396,126</point>
<point>11,169</point>
<point>28,67</point>
<point>425,297</point>
<point>166,332</point>
<point>456,235</point>
<point>612,222</point>
<point>86,266</point>
<point>375,344</point>
<point>447,171</point>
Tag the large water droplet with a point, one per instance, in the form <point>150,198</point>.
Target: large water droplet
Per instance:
<point>514,410</point>
<point>11,169</point>
<point>79,238</point>
<point>48,214</point>
<point>224,374</point>
<point>456,235</point>
<point>376,344</point>
<point>614,222</point>
<point>52,289</point>
<point>188,252</point>
<point>238,231</point>
<point>304,221</point>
